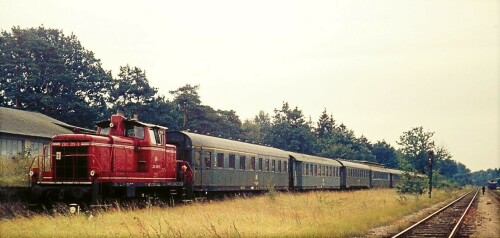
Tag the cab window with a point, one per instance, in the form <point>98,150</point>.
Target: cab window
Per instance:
<point>154,136</point>
<point>135,131</point>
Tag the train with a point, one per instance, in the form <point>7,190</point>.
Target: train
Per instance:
<point>130,159</point>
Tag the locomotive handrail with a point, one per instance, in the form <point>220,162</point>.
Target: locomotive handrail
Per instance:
<point>37,158</point>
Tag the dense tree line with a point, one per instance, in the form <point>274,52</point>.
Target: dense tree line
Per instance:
<point>483,176</point>
<point>44,70</point>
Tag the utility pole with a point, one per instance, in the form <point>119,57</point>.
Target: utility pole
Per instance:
<point>430,160</point>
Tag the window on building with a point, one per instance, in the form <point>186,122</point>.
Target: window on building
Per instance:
<point>10,147</point>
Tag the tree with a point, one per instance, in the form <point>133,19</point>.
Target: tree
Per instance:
<point>326,124</point>
<point>415,144</point>
<point>290,131</point>
<point>132,87</point>
<point>46,71</point>
<point>204,119</point>
<point>385,154</point>
<point>257,129</point>
<point>187,99</point>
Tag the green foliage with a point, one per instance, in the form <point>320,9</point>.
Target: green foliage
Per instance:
<point>14,171</point>
<point>255,130</point>
<point>336,141</point>
<point>481,177</point>
<point>411,185</point>
<point>290,131</point>
<point>44,70</point>
<point>204,119</point>
<point>414,145</point>
<point>385,154</point>
<point>132,87</point>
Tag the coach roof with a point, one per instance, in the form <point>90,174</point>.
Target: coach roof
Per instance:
<point>198,140</point>
<point>314,159</point>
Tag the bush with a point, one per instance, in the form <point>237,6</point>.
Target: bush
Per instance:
<point>410,184</point>
<point>14,172</point>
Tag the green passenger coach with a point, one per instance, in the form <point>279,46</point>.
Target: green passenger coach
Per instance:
<point>223,165</point>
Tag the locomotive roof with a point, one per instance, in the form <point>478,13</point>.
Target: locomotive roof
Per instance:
<point>131,121</point>
<point>198,140</point>
<point>314,159</point>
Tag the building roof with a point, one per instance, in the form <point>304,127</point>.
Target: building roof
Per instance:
<point>18,122</point>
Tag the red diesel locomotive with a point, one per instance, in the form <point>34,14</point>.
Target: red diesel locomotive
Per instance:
<point>125,159</point>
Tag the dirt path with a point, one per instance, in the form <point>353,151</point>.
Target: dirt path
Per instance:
<point>488,216</point>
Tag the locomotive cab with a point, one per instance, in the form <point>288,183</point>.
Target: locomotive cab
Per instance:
<point>125,158</point>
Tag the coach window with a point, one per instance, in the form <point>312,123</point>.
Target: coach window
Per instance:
<point>220,160</point>
<point>252,163</point>
<point>208,159</point>
<point>273,165</point>
<point>232,161</point>
<point>260,164</point>
<point>267,165</point>
<point>279,166</point>
<point>305,169</point>
<point>311,169</point>
<point>197,159</point>
<point>242,162</point>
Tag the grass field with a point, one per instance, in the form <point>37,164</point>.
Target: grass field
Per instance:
<point>315,214</point>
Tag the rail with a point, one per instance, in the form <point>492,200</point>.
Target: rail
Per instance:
<point>455,229</point>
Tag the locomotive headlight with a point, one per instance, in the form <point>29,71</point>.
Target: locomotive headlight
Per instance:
<point>92,173</point>
<point>32,173</point>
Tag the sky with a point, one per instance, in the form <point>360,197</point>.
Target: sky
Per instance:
<point>379,67</point>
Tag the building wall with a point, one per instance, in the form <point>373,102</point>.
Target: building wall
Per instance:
<point>12,145</point>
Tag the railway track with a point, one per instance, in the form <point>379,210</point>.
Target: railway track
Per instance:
<point>446,222</point>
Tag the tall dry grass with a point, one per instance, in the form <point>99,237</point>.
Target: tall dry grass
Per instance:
<point>315,214</point>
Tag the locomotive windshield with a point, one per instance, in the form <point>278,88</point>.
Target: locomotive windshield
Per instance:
<point>103,130</point>
<point>135,131</point>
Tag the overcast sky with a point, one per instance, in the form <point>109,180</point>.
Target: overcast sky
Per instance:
<point>380,67</point>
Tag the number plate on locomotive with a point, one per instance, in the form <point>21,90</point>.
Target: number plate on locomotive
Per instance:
<point>68,144</point>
